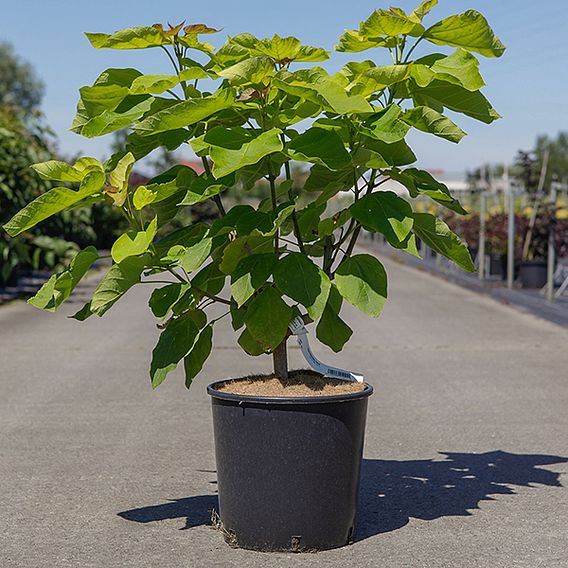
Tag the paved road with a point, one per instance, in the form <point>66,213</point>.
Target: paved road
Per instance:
<point>466,449</point>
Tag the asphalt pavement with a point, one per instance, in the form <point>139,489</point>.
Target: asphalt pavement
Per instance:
<point>465,455</point>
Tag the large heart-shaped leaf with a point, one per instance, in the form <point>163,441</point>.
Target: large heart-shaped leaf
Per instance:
<point>59,286</point>
<point>431,121</point>
<point>319,146</point>
<point>133,243</point>
<point>469,30</point>
<point>52,202</point>
<point>268,317</point>
<point>234,148</point>
<point>331,329</point>
<point>300,279</point>
<point>362,281</point>
<point>175,342</point>
<point>386,213</point>
<point>438,236</point>
<point>251,273</point>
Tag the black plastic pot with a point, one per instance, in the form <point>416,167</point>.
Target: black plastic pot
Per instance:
<point>288,469</point>
<point>532,273</point>
<point>496,267</point>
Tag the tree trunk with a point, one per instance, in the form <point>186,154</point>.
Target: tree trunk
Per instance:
<point>280,360</point>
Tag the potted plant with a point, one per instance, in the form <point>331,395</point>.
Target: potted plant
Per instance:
<point>533,268</point>
<point>288,445</point>
<point>497,236</point>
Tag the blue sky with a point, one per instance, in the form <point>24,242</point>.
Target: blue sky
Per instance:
<point>528,85</point>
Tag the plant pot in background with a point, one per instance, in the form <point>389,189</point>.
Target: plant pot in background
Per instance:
<point>288,468</point>
<point>496,265</point>
<point>532,273</point>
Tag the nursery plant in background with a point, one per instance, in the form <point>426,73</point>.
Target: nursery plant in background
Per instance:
<point>249,109</point>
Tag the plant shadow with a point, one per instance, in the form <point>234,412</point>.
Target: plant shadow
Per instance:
<point>392,492</point>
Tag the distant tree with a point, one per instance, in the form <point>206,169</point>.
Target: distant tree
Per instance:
<point>557,157</point>
<point>526,170</point>
<point>20,87</point>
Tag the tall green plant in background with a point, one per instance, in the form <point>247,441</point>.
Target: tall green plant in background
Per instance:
<point>248,110</point>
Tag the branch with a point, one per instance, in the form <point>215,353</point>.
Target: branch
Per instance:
<point>297,232</point>
<point>216,198</point>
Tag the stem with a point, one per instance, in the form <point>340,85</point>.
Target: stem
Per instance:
<point>297,232</point>
<point>216,198</point>
<point>352,242</point>
<point>171,59</point>
<point>216,298</point>
<point>271,179</point>
<point>174,273</point>
<point>412,49</point>
<point>280,361</point>
<point>174,94</point>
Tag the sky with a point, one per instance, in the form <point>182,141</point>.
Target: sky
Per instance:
<point>528,86</point>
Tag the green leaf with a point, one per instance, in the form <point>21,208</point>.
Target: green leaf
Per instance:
<point>300,279</point>
<point>362,281</point>
<point>268,317</point>
<point>186,113</point>
<point>328,226</point>
<point>205,187</point>
<point>390,23</point>
<point>234,148</point>
<point>317,86</point>
<point>250,345</point>
<point>58,171</point>
<point>395,154</point>
<point>319,146</point>
<point>201,349</point>
<point>331,329</point>
<point>195,255</point>
<point>175,342</point>
<point>53,201</point>
<point>438,236</point>
<point>386,125</point>
<point>100,98</point>
<point>255,70</point>
<point>121,173</point>
<point>128,38</point>
<point>384,212</point>
<point>163,299</point>
<point>153,84</point>
<point>280,49</point>
<point>378,78</point>
<point>433,122</point>
<point>250,274</point>
<point>460,68</point>
<point>118,280</point>
<point>353,41</point>
<point>441,94</point>
<point>133,243</point>
<point>424,9</point>
<point>241,247</point>
<point>420,182</point>
<point>141,146</point>
<point>209,279</point>
<point>59,286</point>
<point>322,179</point>
<point>469,30</point>
<point>84,313</point>
<point>109,121</point>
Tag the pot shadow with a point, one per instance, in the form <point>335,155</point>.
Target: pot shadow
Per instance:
<point>196,510</point>
<point>392,492</point>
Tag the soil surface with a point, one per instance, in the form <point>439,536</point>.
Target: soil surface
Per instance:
<point>298,384</point>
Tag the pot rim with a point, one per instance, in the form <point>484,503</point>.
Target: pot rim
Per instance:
<point>285,400</point>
